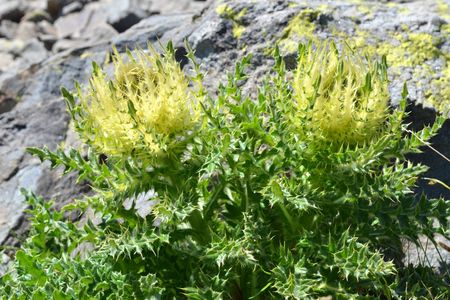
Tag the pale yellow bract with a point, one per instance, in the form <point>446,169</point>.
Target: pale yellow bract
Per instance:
<point>341,97</point>
<point>143,110</point>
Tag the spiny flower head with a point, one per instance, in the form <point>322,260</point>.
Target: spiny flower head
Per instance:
<point>339,96</point>
<point>147,108</point>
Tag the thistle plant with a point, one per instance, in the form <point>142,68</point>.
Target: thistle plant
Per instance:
<point>343,98</point>
<point>143,111</point>
<point>264,201</point>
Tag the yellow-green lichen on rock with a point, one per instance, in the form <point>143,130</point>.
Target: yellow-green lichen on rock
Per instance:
<point>229,13</point>
<point>442,7</point>
<point>300,26</point>
<point>366,10</point>
<point>409,49</point>
<point>400,8</point>
<point>415,51</point>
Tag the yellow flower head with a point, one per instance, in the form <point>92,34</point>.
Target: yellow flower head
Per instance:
<point>341,98</point>
<point>144,110</point>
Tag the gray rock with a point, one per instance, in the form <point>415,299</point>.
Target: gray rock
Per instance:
<point>12,46</point>
<point>167,7</point>
<point>101,32</point>
<point>98,34</point>
<point>29,30</point>
<point>55,7</point>
<point>85,27</point>
<point>66,26</point>
<point>15,10</point>
<point>8,29</point>
<point>34,52</point>
<point>205,39</point>
<point>36,16</point>
<point>30,44</point>
<point>122,14</point>
<point>6,59</point>
<point>7,103</point>
<point>12,10</point>
<point>47,34</point>
<point>38,119</point>
<point>158,27</point>
<point>65,44</point>
<point>72,7</point>
<point>428,254</point>
<point>34,5</point>
<point>11,203</point>
<point>45,27</point>
<point>26,30</point>
<point>48,41</point>
<point>25,53</point>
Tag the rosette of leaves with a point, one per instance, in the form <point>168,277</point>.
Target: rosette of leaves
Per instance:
<point>343,98</point>
<point>146,110</point>
<point>257,208</point>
